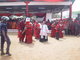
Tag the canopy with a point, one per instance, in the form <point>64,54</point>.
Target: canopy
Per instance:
<point>34,6</point>
<point>35,0</point>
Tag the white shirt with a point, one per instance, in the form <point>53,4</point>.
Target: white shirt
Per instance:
<point>44,30</point>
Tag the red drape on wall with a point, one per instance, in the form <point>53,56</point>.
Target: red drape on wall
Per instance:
<point>5,14</point>
<point>8,14</point>
<point>19,14</point>
<point>40,14</point>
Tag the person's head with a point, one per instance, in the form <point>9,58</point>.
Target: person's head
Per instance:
<point>27,19</point>
<point>4,19</point>
<point>19,19</point>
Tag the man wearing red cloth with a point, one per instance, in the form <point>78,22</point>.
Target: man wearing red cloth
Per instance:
<point>21,26</point>
<point>37,30</point>
<point>28,31</point>
<point>59,33</point>
<point>53,30</point>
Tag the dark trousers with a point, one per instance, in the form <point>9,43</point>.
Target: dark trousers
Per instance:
<point>43,39</point>
<point>76,32</point>
<point>2,44</point>
<point>66,31</point>
<point>57,35</point>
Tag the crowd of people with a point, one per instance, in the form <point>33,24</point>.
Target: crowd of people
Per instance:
<point>39,29</point>
<point>27,29</point>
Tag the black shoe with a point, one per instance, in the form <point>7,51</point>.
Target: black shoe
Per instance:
<point>45,40</point>
<point>57,39</point>
<point>2,54</point>
<point>8,54</point>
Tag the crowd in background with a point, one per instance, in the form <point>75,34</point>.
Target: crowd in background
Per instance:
<point>56,28</point>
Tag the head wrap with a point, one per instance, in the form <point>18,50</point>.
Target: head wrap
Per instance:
<point>27,19</point>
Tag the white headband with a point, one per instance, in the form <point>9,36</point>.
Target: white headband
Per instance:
<point>27,19</point>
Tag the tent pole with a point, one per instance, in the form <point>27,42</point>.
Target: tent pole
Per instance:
<point>70,11</point>
<point>61,15</point>
<point>27,8</point>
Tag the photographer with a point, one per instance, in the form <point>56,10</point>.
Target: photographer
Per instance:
<point>4,36</point>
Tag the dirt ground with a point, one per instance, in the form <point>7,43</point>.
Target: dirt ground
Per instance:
<point>67,48</point>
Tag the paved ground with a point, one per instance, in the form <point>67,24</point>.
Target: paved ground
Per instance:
<point>67,48</point>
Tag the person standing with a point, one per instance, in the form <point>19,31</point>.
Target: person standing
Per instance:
<point>43,32</point>
<point>53,31</point>
<point>28,31</point>
<point>4,36</point>
<point>48,23</point>
<point>37,30</point>
<point>59,29</point>
<point>21,26</point>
